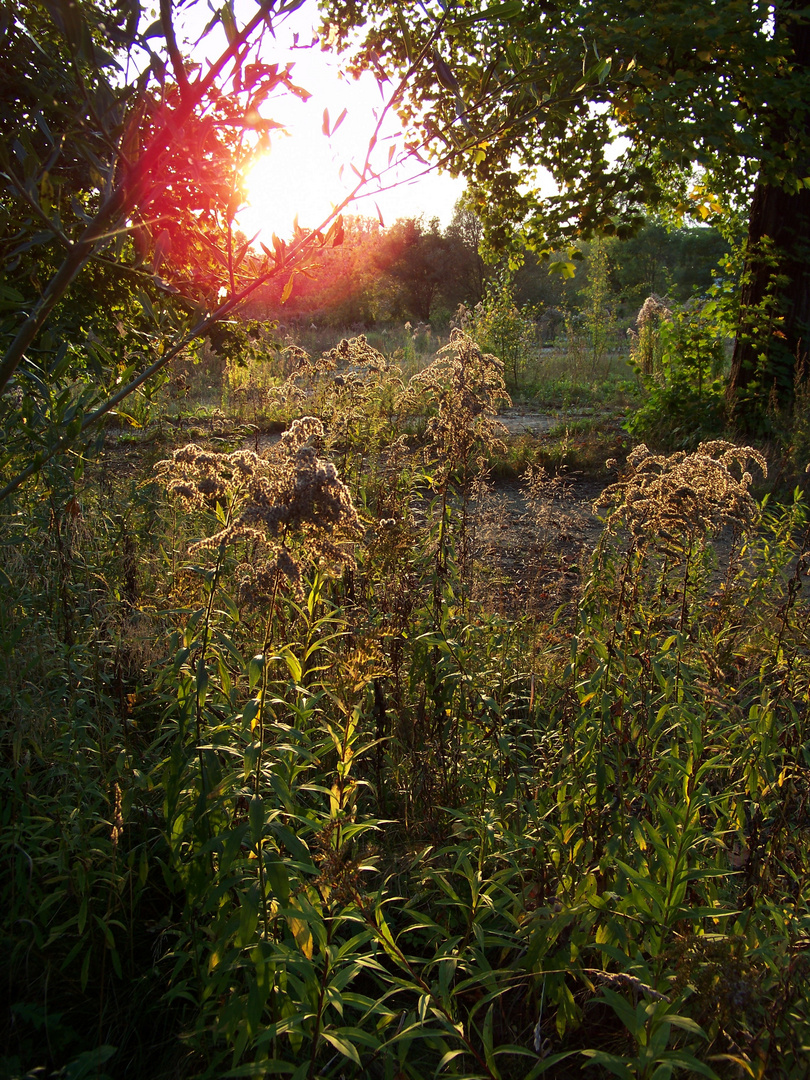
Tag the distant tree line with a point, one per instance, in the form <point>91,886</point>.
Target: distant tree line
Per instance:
<point>414,270</point>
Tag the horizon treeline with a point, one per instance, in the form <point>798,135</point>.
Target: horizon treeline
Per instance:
<point>416,271</point>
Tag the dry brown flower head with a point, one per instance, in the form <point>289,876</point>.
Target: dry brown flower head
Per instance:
<point>683,497</point>
<point>466,386</point>
<point>290,504</point>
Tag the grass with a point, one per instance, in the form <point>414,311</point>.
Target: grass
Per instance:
<point>297,782</point>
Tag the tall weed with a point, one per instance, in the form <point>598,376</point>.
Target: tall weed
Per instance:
<point>284,795</point>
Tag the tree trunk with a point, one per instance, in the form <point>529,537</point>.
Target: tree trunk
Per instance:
<point>773,336</point>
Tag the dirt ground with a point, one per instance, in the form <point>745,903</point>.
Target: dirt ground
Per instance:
<point>531,550</point>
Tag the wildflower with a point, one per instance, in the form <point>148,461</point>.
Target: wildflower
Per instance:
<point>467,387</point>
<point>683,495</point>
<point>291,496</point>
<point>643,342</point>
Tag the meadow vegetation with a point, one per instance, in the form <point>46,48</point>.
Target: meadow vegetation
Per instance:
<point>286,792</point>
<point>314,763</point>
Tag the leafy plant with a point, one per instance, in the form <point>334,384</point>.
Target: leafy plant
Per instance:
<point>499,326</point>
<point>680,356</point>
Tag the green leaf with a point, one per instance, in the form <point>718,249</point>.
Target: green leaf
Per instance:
<point>248,917</point>
<point>342,1045</point>
<point>626,1012</point>
<point>201,680</point>
<point>229,23</point>
<point>249,713</point>
<point>451,1055</point>
<point>88,1063</point>
<point>85,972</point>
<point>406,35</point>
<point>255,668</point>
<point>293,843</point>
<point>256,819</point>
<point>682,1059</point>
<point>548,1063</point>
<point>293,665</point>
<point>277,877</point>
<point>487,1037</point>
<point>687,1024</point>
<point>562,268</point>
<point>82,919</point>
<point>611,1062</point>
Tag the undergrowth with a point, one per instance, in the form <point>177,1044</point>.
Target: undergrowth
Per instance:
<point>283,795</point>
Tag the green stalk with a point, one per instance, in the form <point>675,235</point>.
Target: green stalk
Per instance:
<point>268,635</point>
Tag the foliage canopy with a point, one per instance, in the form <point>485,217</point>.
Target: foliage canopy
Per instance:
<point>511,87</point>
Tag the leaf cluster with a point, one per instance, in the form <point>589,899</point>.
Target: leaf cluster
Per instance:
<point>517,87</point>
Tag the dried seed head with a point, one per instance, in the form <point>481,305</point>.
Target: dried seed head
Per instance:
<point>652,311</point>
<point>688,496</point>
<point>466,387</point>
<point>300,432</point>
<point>290,498</point>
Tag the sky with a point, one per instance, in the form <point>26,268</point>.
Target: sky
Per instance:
<point>306,172</point>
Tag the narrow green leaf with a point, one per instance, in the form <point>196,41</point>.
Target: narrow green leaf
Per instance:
<point>277,877</point>
<point>256,819</point>
<point>343,1046</point>
<point>255,668</point>
<point>201,680</point>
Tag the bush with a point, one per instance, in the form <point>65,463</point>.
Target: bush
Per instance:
<point>679,356</point>
<point>499,326</point>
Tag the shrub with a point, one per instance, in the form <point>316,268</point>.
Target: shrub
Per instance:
<point>498,326</point>
<point>679,356</point>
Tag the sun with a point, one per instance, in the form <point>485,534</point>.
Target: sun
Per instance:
<point>298,177</point>
<point>313,164</point>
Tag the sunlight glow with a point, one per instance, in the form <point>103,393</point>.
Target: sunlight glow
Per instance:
<point>297,176</point>
<point>306,172</point>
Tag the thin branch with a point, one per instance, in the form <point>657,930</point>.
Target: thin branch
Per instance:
<point>125,195</point>
<point>171,47</point>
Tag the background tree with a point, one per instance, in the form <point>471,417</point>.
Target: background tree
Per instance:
<point>711,98</point>
<point>672,262</point>
<point>416,258</point>
<point>341,289</point>
<point>378,274</point>
<point>466,276</point>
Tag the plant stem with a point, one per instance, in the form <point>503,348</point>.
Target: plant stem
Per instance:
<point>268,634</point>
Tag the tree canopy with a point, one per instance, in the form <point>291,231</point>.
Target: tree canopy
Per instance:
<point>516,86</point>
<point>692,106</point>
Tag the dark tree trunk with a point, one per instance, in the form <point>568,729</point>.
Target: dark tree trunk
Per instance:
<point>774,330</point>
<point>773,337</point>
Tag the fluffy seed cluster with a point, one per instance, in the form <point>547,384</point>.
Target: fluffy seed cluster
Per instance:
<point>342,386</point>
<point>290,505</point>
<point>357,352</point>
<point>466,387</point>
<point>301,364</point>
<point>681,498</point>
<point>652,311</point>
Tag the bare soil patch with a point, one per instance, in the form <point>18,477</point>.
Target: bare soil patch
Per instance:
<point>530,554</point>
